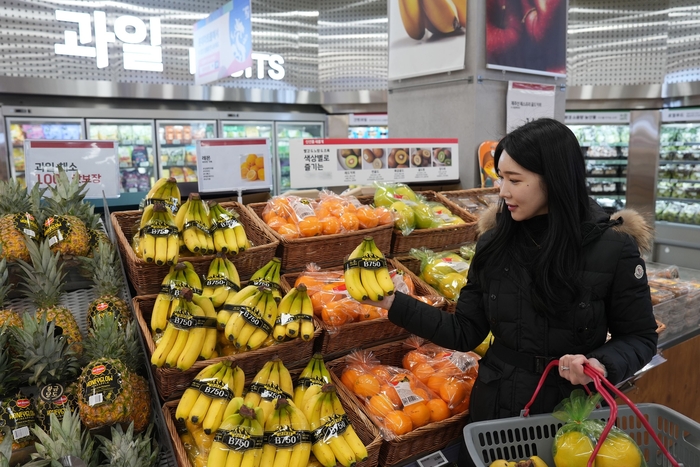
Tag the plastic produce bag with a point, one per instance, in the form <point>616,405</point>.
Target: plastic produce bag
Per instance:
<point>445,271</point>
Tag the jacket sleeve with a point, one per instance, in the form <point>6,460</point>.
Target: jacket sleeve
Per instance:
<point>463,330</point>
<point>630,318</point>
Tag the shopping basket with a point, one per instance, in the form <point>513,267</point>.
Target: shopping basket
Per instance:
<point>521,437</point>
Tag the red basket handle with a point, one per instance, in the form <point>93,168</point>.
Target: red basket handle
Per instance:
<point>602,385</point>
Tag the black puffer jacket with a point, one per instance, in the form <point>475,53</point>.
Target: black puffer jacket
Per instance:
<point>616,300</point>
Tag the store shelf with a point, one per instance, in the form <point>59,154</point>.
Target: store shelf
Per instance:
<point>192,165</point>
<point>177,145</point>
<point>606,178</point>
<point>679,161</point>
<point>680,143</point>
<point>682,200</point>
<point>678,180</point>
<point>606,160</point>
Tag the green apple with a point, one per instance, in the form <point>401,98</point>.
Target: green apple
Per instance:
<point>405,219</point>
<point>425,217</point>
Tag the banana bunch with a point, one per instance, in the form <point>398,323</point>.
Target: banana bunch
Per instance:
<point>287,437</point>
<point>272,382</point>
<point>228,233</point>
<point>295,317</point>
<point>222,280</point>
<point>212,395</point>
<point>366,274</point>
<point>180,276</point>
<point>314,374</point>
<point>164,191</point>
<point>158,236</point>
<point>335,440</point>
<point>269,276</point>
<point>184,336</point>
<point>239,439</point>
<point>193,222</point>
<point>250,325</point>
<point>437,16</point>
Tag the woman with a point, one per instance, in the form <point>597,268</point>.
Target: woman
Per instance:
<point>552,275</point>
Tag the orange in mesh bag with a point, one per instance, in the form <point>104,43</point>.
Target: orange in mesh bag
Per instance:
<point>395,399</point>
<point>448,373</point>
<point>292,217</point>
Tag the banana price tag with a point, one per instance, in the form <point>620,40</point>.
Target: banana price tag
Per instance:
<point>286,437</point>
<point>366,262</point>
<point>238,439</point>
<point>182,319</point>
<point>269,391</point>
<point>255,319</point>
<point>213,388</point>
<point>159,229</point>
<point>335,426</point>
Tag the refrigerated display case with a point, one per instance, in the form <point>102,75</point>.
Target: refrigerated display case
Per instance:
<point>136,149</point>
<point>177,153</point>
<point>284,132</point>
<point>20,129</point>
<point>605,150</point>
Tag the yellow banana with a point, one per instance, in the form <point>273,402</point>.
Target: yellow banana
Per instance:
<point>215,414</point>
<point>232,272</point>
<point>441,15</point>
<point>233,407</point>
<point>251,317</point>
<point>159,315</point>
<point>269,316</point>
<point>147,245</point>
<point>341,450</point>
<point>349,434</point>
<point>248,309</point>
<point>241,237</point>
<point>285,317</point>
<point>157,188</point>
<point>177,348</point>
<point>321,450</point>
<point>284,454</point>
<point>196,337</point>
<point>353,282</point>
<point>304,382</point>
<point>272,390</point>
<point>173,250</point>
<point>369,278</point>
<point>209,345</point>
<point>301,451</point>
<point>193,280</point>
<point>270,450</point>
<point>191,393</point>
<point>251,457</point>
<point>309,399</point>
<point>161,250</point>
<point>232,302</point>
<point>237,383</point>
<point>201,405</point>
<point>412,18</point>
<point>206,222</point>
<point>382,274</point>
<point>252,398</point>
<point>180,216</point>
<point>275,283</point>
<point>286,381</point>
<point>306,318</point>
<point>164,345</point>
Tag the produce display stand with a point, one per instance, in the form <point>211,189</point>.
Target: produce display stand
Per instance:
<point>423,440</point>
<point>324,250</point>
<point>365,429</point>
<point>146,278</point>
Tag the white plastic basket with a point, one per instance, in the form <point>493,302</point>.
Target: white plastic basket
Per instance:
<point>521,437</point>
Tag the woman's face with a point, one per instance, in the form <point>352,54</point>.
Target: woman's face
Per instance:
<point>523,191</point>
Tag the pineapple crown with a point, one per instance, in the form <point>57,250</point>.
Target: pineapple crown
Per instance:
<point>65,438</point>
<point>14,197</point>
<point>45,357</point>
<point>108,339</point>
<point>8,373</point>
<point>43,280</point>
<point>125,449</point>
<point>67,199</point>
<point>104,268</point>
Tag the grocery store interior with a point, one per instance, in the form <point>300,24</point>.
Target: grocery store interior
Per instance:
<point>321,80</point>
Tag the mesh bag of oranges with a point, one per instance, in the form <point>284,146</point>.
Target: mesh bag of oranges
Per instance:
<point>395,399</point>
<point>335,307</point>
<point>296,217</point>
<point>448,373</point>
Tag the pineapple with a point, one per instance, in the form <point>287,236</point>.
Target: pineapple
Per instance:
<point>7,316</point>
<point>64,438</point>
<point>5,446</point>
<point>107,276</point>
<point>17,219</point>
<point>17,413</point>
<point>64,226</point>
<point>109,389</point>
<point>42,283</point>
<point>129,450</point>
<point>49,363</point>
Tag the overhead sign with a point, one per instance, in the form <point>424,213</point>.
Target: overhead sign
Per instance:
<point>584,118</point>
<point>527,102</point>
<point>96,162</point>
<point>339,162</point>
<point>223,42</point>
<point>680,115</point>
<point>368,119</point>
<point>233,164</point>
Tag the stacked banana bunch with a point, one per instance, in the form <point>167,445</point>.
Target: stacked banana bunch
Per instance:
<point>190,333</point>
<point>272,382</point>
<point>222,280</point>
<point>366,273</point>
<point>314,374</point>
<point>209,228</point>
<point>228,233</point>
<point>295,317</point>
<point>165,192</point>
<point>180,276</point>
<point>239,440</point>
<point>158,236</point>
<point>287,437</point>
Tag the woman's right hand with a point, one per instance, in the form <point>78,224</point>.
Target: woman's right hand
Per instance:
<point>385,303</point>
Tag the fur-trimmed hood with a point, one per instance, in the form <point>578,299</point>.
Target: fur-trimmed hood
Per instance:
<point>626,221</point>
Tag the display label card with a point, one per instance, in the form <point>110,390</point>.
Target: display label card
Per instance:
<point>324,162</point>
<point>433,460</point>
<point>97,162</point>
<point>527,102</point>
<point>368,119</point>
<point>585,118</point>
<point>233,164</point>
<point>680,115</point>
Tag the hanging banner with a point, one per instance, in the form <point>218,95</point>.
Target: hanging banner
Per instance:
<point>223,42</point>
<point>426,37</point>
<point>317,163</point>
<point>233,164</point>
<point>96,162</point>
<point>527,102</point>
<point>527,36</point>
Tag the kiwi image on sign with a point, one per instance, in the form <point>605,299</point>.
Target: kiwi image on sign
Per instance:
<point>398,158</point>
<point>349,159</point>
<point>420,157</point>
<point>373,158</point>
<point>442,157</point>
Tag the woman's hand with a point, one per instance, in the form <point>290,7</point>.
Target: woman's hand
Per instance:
<point>571,368</point>
<point>384,303</point>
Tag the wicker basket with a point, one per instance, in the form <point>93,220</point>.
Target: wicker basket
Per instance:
<point>146,278</point>
<point>324,250</point>
<point>409,263</point>
<point>421,441</point>
<point>171,382</point>
<point>438,239</point>
<point>456,195</point>
<point>364,428</point>
<point>334,343</point>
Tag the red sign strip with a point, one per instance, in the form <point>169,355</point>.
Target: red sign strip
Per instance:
<point>231,142</point>
<point>382,142</point>
<point>73,144</point>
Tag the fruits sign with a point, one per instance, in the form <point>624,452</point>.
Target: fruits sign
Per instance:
<point>340,162</point>
<point>238,164</point>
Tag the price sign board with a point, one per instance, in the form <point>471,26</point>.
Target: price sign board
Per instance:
<point>527,102</point>
<point>233,164</point>
<point>96,162</point>
<point>584,118</point>
<point>339,162</point>
<point>680,115</point>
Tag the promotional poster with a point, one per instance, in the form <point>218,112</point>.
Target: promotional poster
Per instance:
<point>426,37</point>
<point>527,36</point>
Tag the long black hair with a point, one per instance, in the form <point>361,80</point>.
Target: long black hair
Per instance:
<point>549,149</point>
